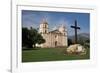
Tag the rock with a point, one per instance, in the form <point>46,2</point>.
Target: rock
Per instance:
<point>76,49</point>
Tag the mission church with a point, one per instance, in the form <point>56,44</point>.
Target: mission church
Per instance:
<point>53,38</point>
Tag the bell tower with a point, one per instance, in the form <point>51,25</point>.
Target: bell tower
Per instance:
<point>62,29</point>
<point>43,27</point>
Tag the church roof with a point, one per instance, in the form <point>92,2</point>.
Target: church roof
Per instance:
<point>55,31</point>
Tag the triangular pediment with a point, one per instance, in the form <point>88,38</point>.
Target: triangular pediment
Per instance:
<point>55,31</point>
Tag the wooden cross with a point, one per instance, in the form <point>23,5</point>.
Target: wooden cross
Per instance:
<point>75,27</point>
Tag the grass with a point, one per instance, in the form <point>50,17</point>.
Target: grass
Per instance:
<point>50,54</point>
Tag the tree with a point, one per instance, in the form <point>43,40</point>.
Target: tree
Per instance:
<point>84,41</point>
<point>25,39</point>
<point>40,39</point>
<point>32,37</point>
<point>69,41</point>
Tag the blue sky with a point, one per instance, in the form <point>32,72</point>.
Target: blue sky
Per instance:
<point>55,19</point>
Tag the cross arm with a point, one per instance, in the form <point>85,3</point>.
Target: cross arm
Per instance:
<point>75,27</point>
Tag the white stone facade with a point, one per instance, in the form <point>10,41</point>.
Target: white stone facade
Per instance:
<point>54,38</point>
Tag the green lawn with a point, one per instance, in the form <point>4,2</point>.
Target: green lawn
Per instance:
<point>50,54</point>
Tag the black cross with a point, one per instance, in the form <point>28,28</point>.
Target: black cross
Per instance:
<point>75,27</point>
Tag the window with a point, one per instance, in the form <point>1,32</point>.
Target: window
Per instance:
<point>45,31</point>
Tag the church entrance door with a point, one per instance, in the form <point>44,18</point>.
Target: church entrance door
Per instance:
<point>55,43</point>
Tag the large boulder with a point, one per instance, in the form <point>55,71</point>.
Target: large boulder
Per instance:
<point>76,49</point>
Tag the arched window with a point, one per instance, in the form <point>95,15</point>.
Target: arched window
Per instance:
<point>45,31</point>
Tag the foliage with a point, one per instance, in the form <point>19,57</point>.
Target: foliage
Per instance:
<point>25,40</point>
<point>31,37</point>
<point>84,41</point>
<point>69,41</point>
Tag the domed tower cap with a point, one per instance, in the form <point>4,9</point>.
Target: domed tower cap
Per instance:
<point>44,21</point>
